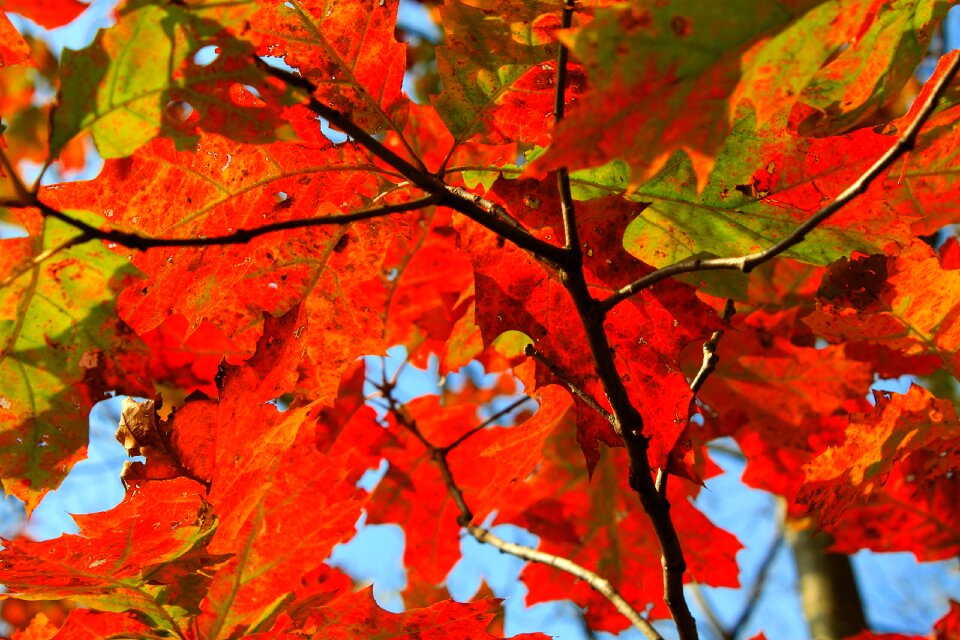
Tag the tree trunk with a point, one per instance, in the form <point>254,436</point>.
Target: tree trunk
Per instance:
<point>828,589</point>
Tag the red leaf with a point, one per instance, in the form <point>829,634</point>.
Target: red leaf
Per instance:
<point>895,465</point>
<point>646,334</point>
<point>49,14</point>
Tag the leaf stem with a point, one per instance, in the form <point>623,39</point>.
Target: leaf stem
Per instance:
<point>746,263</point>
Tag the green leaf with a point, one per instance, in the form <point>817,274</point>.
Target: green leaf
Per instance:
<point>139,79</point>
<point>497,70</point>
<point>57,321</point>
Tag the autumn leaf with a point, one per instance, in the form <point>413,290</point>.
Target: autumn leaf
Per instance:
<point>498,68</point>
<point>141,556</point>
<point>903,304</point>
<point>599,526</point>
<point>646,64</point>
<point>61,346</point>
<point>356,615</point>
<point>14,49</point>
<point>143,80</point>
<point>895,464</point>
<point>230,187</point>
<point>783,402</point>
<point>47,13</point>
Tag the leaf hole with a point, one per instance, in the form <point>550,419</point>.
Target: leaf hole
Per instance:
<point>179,111</point>
<point>206,55</point>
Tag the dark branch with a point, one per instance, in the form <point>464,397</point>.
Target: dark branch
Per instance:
<point>710,357</point>
<point>483,425</point>
<point>241,236</point>
<point>747,263</point>
<point>626,420</point>
<point>474,207</point>
<point>563,377</point>
<point>572,242</point>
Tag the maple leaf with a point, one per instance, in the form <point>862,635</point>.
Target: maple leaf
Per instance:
<point>498,69</point>
<point>516,293</point>
<point>134,557</point>
<point>47,13</point>
<point>142,79</point>
<point>61,348</point>
<point>253,457</point>
<point>357,615</point>
<point>14,49</point>
<point>782,402</point>
<point>231,186</point>
<point>895,464</point>
<point>346,49</point>
<point>598,525</point>
<point>643,75</point>
<point>903,304</point>
<point>84,624</point>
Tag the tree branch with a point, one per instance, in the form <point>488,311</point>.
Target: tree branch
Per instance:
<point>574,388</point>
<point>626,420</point>
<point>746,263</point>
<point>439,456</point>
<point>599,584</point>
<point>572,240</point>
<point>474,207</point>
<point>241,236</point>
<point>483,425</point>
<point>710,357</point>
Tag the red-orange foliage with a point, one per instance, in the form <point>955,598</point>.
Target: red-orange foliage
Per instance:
<point>600,200</point>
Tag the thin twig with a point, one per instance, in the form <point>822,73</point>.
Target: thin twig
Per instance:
<point>562,376</point>
<point>27,265</point>
<point>709,364</point>
<point>748,262</point>
<point>599,584</point>
<point>710,357</point>
<point>709,611</point>
<point>240,236</point>
<point>474,207</point>
<point>484,536</point>
<point>572,241</point>
<point>754,596</point>
<point>486,423</point>
<point>752,599</point>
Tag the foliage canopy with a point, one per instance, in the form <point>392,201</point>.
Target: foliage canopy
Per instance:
<point>641,211</point>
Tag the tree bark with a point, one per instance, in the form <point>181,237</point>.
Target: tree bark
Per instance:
<point>828,589</point>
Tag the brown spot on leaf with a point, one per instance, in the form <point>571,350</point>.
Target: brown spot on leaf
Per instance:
<point>681,26</point>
